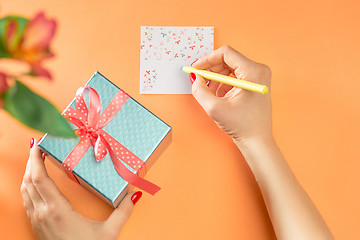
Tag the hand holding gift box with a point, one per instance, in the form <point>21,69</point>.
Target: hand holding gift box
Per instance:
<point>118,139</point>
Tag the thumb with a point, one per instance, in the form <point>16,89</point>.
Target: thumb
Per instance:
<point>204,96</point>
<point>121,214</point>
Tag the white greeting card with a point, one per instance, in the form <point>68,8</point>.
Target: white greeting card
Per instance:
<point>163,50</point>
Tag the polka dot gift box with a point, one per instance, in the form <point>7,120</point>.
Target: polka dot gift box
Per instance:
<point>118,140</point>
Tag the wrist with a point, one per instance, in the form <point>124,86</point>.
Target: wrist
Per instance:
<point>253,143</point>
<point>257,151</point>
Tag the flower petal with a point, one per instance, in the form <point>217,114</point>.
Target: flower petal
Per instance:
<point>3,83</point>
<point>38,33</point>
<point>38,70</point>
<point>11,30</point>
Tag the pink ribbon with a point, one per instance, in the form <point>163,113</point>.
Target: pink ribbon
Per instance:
<point>90,123</point>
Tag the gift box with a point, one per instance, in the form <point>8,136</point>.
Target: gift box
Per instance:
<point>118,140</point>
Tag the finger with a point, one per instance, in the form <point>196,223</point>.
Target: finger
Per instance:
<point>122,213</point>
<point>29,207</point>
<point>225,55</point>
<point>223,89</point>
<point>209,102</point>
<point>43,155</point>
<point>37,163</point>
<point>213,86</point>
<point>225,72</point>
<point>33,193</point>
<point>42,182</point>
<point>217,68</point>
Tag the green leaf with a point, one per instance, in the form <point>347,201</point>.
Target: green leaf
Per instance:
<point>35,112</point>
<point>21,24</point>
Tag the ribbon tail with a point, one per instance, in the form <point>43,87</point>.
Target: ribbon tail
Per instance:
<point>132,178</point>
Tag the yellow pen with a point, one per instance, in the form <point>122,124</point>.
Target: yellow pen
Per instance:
<point>227,80</point>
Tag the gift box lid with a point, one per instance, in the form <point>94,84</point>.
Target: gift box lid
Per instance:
<point>135,127</point>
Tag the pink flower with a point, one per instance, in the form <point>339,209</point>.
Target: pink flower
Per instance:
<point>3,86</point>
<point>34,44</point>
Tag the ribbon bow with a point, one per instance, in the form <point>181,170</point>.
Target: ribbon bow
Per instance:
<point>90,123</point>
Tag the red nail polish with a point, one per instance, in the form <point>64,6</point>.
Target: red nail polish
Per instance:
<point>192,77</point>
<point>193,62</point>
<point>136,196</point>
<point>31,142</point>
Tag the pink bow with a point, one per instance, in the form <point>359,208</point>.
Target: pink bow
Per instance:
<point>90,123</point>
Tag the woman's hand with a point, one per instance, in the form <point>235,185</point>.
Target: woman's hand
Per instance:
<point>242,114</point>
<point>52,215</point>
<point>246,117</point>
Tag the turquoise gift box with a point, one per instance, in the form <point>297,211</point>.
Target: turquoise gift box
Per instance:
<point>135,127</point>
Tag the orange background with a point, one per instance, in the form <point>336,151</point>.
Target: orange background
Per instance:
<point>208,191</point>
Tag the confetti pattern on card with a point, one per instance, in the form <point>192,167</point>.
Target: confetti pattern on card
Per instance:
<point>163,50</point>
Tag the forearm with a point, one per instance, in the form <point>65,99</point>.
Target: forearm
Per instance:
<point>292,212</point>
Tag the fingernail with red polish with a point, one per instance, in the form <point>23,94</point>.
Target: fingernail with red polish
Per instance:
<point>31,142</point>
<point>192,77</point>
<point>136,196</point>
<point>193,62</point>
